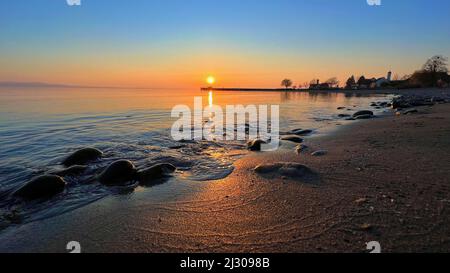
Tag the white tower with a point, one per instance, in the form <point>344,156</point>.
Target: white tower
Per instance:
<point>389,76</point>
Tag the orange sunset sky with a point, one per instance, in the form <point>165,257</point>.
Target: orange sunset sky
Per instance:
<point>166,44</point>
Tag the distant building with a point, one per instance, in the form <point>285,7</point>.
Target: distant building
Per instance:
<point>373,83</point>
<point>383,81</point>
<point>319,86</point>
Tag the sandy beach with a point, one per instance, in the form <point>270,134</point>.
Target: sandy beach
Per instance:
<point>385,179</point>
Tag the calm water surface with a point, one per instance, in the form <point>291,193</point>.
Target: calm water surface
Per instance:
<point>39,127</point>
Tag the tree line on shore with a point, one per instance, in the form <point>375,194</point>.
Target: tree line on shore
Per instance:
<point>434,73</point>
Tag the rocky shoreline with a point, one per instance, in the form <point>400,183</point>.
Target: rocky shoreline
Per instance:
<point>122,172</point>
<point>384,179</point>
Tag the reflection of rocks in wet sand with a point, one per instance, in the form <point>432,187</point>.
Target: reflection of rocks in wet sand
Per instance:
<point>153,175</point>
<point>287,170</point>
<point>118,173</point>
<point>41,187</point>
<point>82,157</point>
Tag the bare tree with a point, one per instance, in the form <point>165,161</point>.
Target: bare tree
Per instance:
<point>286,83</point>
<point>436,64</point>
<point>406,77</point>
<point>333,82</point>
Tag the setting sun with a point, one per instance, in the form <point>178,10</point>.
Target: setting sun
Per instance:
<point>211,80</point>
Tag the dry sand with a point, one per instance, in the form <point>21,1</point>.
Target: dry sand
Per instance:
<point>385,180</point>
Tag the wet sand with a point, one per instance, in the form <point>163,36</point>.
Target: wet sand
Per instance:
<point>384,179</point>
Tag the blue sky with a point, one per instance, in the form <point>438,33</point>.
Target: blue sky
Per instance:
<point>246,42</point>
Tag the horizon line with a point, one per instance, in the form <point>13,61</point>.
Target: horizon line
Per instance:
<point>27,84</point>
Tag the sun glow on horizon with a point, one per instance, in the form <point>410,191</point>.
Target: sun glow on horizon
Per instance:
<point>210,80</point>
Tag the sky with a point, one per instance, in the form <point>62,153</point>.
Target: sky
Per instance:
<point>242,43</point>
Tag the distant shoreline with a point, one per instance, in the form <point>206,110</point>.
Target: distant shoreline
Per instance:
<point>289,90</point>
<point>335,90</point>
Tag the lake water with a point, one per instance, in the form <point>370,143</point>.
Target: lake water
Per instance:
<point>40,127</point>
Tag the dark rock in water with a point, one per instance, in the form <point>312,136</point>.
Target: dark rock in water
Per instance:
<point>83,156</point>
<point>399,103</point>
<point>301,132</point>
<point>410,111</point>
<point>155,172</point>
<point>343,115</point>
<point>119,172</point>
<point>255,145</point>
<point>298,129</point>
<point>361,113</point>
<point>412,101</point>
<point>290,132</point>
<point>341,108</point>
<point>301,148</point>
<point>319,153</point>
<point>437,99</point>
<point>295,139</point>
<point>364,117</point>
<point>176,147</point>
<point>41,187</point>
<point>420,102</point>
<point>187,141</point>
<point>285,170</point>
<point>74,170</point>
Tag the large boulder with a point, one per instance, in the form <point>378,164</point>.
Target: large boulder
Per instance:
<point>155,172</point>
<point>118,173</point>
<point>41,187</point>
<point>83,156</point>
